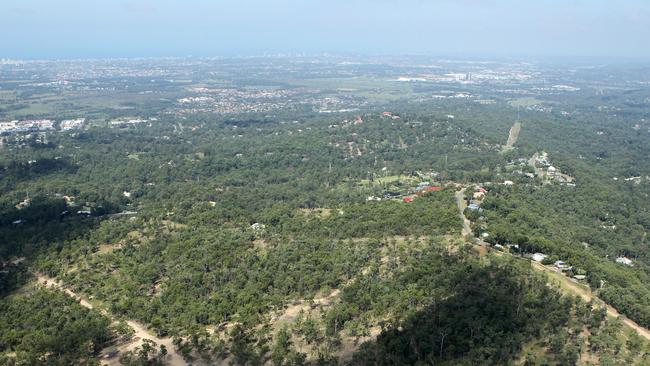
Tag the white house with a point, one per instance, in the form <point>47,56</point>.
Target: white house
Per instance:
<point>257,226</point>
<point>538,257</point>
<point>625,261</point>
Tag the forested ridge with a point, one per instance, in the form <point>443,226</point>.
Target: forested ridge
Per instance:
<point>260,240</point>
<point>49,328</point>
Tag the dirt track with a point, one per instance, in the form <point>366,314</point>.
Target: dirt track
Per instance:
<point>513,135</point>
<point>566,283</point>
<point>141,332</point>
<point>575,288</point>
<point>175,359</point>
<point>460,202</point>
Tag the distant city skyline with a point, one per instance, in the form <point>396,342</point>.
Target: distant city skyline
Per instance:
<point>470,28</point>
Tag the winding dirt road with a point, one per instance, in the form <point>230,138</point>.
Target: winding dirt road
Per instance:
<point>566,283</point>
<point>141,332</point>
<point>585,293</point>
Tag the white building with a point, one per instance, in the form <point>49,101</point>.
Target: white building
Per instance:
<point>560,265</point>
<point>625,261</point>
<point>257,226</point>
<point>538,257</point>
<point>72,124</point>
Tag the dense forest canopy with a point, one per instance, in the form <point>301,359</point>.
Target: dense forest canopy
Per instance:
<point>292,220</point>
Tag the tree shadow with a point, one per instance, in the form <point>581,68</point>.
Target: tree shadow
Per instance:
<point>16,172</point>
<point>42,225</point>
<point>493,313</point>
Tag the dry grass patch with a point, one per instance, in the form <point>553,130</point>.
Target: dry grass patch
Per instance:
<point>320,213</point>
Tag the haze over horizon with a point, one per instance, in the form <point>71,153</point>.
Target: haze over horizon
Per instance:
<point>502,28</point>
<point>310,182</point>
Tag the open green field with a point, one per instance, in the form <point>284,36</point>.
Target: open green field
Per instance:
<point>525,102</point>
<point>391,179</point>
<point>7,95</point>
<point>372,88</point>
<point>88,104</point>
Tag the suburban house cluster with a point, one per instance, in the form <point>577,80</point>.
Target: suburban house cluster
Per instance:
<point>39,125</point>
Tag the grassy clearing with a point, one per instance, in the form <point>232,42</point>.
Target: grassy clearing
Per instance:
<point>370,88</point>
<point>321,213</point>
<point>390,179</point>
<point>513,135</point>
<point>525,102</point>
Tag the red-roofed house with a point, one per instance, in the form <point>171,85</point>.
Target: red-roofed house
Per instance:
<point>408,199</point>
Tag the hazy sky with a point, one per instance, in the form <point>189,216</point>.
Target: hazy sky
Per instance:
<point>115,28</point>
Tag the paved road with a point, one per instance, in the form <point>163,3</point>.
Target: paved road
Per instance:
<point>460,202</point>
